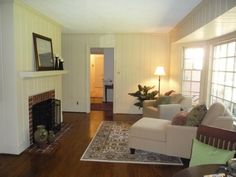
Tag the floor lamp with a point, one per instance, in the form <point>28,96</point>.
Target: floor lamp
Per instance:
<point>160,71</point>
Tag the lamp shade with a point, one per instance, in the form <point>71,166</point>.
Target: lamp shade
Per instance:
<point>160,71</point>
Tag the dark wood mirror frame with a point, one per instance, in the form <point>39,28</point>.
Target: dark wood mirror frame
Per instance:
<point>43,52</point>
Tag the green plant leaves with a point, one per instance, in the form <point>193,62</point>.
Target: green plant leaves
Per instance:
<point>142,94</point>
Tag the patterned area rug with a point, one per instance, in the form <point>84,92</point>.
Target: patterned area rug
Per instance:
<point>50,148</point>
<point>110,144</point>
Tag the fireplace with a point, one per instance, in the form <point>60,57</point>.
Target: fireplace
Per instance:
<point>44,109</point>
<point>47,113</point>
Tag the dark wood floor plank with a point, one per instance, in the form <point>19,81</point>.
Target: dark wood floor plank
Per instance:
<point>65,162</point>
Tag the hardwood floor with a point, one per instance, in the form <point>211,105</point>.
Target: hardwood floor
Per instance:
<point>65,162</point>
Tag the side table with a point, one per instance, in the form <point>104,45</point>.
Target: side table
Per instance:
<point>198,171</point>
<point>107,87</point>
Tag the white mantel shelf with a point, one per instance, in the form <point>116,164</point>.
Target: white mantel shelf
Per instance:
<point>35,74</point>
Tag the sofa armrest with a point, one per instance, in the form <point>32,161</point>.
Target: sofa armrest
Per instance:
<point>148,103</point>
<point>224,122</point>
<point>168,111</point>
<point>179,140</point>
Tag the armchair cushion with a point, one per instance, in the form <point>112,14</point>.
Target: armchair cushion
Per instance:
<point>168,111</point>
<point>162,100</point>
<point>206,154</point>
<point>196,115</point>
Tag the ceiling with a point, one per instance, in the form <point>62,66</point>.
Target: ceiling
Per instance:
<point>115,16</point>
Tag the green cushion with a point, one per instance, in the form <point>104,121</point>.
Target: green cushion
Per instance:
<point>163,100</point>
<point>206,154</point>
<point>196,115</point>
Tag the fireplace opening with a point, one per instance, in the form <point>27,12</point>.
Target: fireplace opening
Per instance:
<point>47,113</point>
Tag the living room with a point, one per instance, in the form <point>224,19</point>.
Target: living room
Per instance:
<point>136,55</point>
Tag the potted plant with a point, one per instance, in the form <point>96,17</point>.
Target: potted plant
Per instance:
<point>144,94</point>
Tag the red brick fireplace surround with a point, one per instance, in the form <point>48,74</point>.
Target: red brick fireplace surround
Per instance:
<point>34,100</point>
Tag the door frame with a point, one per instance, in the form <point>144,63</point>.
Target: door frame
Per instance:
<point>87,77</point>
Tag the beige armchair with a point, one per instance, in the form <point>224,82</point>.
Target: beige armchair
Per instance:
<point>160,136</point>
<point>166,110</point>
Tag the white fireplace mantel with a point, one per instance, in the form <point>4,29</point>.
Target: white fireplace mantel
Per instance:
<point>35,74</point>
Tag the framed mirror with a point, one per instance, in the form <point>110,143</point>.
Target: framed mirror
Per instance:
<point>43,52</point>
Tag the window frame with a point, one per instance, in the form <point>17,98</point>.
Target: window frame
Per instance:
<point>212,58</point>
<point>203,71</point>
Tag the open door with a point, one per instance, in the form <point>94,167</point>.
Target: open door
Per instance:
<point>96,77</point>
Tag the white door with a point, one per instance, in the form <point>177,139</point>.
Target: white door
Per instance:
<point>96,75</point>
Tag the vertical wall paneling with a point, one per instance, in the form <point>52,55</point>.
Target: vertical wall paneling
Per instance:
<point>1,84</point>
<point>8,81</point>
<point>135,58</point>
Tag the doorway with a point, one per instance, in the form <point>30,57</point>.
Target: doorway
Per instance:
<point>96,78</point>
<point>101,79</point>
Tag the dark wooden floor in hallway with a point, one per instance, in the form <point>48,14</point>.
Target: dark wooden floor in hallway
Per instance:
<point>102,106</point>
<point>65,162</point>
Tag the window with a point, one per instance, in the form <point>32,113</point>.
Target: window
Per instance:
<point>192,69</point>
<point>223,81</point>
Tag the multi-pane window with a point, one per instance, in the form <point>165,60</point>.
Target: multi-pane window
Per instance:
<point>192,69</point>
<point>223,82</point>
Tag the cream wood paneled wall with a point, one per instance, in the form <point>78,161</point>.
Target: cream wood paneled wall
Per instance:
<point>17,24</point>
<point>135,59</point>
<point>8,97</point>
<point>205,12</point>
<point>27,21</point>
<point>1,85</point>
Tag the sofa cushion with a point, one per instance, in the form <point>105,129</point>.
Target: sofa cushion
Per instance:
<point>215,110</point>
<point>150,128</point>
<point>206,154</point>
<point>196,115</point>
<point>162,100</point>
<point>180,118</point>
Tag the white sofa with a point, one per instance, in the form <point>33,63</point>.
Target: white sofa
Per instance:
<point>166,111</point>
<point>160,136</point>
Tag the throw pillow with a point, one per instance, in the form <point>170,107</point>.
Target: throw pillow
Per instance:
<point>176,98</point>
<point>180,118</point>
<point>206,154</point>
<point>169,93</point>
<point>196,115</point>
<point>163,100</point>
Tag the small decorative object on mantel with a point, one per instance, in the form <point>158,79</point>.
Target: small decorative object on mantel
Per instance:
<point>56,62</point>
<point>41,136</point>
<point>60,67</point>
